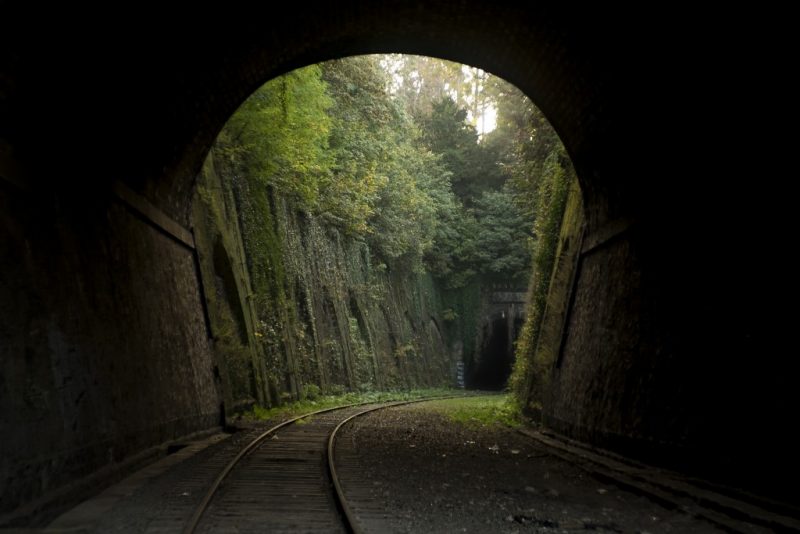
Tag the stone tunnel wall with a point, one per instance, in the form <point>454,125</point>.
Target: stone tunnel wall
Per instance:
<point>679,135</point>
<point>319,311</point>
<point>104,349</point>
<point>645,351</point>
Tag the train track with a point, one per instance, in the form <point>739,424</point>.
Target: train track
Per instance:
<point>285,479</point>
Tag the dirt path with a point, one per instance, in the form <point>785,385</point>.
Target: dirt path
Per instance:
<point>428,473</point>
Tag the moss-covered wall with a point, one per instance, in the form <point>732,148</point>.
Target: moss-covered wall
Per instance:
<point>292,301</point>
<point>227,290</point>
<point>546,347</point>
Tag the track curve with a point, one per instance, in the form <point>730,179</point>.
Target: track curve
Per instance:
<point>285,483</point>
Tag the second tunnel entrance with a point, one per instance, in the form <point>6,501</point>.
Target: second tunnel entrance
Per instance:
<point>491,365</point>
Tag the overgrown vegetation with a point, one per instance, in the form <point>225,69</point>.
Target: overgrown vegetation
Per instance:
<point>550,195</point>
<point>480,411</point>
<point>540,341</point>
<point>331,401</point>
<point>404,170</point>
<point>385,168</point>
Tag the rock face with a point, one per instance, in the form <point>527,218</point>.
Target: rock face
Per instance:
<point>296,307</point>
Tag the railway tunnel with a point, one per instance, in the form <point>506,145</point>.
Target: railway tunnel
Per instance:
<point>491,367</point>
<point>672,347</point>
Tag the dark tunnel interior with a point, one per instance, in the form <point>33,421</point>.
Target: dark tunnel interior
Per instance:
<point>493,366</point>
<point>669,346</point>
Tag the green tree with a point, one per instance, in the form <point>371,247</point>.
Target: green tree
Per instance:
<point>360,117</point>
<point>473,167</point>
<point>280,134</point>
<point>387,151</point>
<point>387,186</point>
<point>501,239</point>
<point>420,81</point>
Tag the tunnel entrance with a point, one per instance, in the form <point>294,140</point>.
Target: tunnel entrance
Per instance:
<point>116,291</point>
<point>492,366</point>
<point>409,185</point>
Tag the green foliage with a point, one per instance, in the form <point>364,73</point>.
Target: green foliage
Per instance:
<point>424,193</point>
<point>403,173</point>
<point>484,234</point>
<point>419,81</point>
<point>280,135</point>
<point>405,351</point>
<point>450,259</point>
<point>501,237</point>
<point>388,187</point>
<point>535,152</point>
<point>341,399</point>
<point>360,141</point>
<point>480,411</point>
<point>551,193</point>
<point>335,141</point>
<point>473,166</point>
<point>311,392</point>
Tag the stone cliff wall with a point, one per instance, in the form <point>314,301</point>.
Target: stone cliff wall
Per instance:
<point>292,302</point>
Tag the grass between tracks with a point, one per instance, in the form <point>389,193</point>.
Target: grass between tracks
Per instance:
<point>331,401</point>
<point>480,411</point>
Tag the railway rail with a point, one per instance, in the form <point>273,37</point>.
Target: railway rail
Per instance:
<point>285,479</point>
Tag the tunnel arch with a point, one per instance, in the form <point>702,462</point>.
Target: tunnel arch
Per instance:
<point>687,306</point>
<point>562,113</point>
<point>570,69</point>
<point>565,113</point>
<point>550,58</point>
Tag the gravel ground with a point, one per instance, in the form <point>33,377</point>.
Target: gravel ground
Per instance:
<point>424,472</point>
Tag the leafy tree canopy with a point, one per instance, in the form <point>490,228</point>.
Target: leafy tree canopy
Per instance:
<point>393,150</point>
